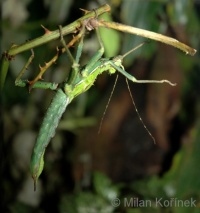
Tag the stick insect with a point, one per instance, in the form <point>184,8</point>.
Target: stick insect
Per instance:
<point>80,80</point>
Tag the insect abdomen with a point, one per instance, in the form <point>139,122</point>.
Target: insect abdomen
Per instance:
<point>47,130</point>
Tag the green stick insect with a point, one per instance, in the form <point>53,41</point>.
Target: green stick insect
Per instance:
<point>80,80</point>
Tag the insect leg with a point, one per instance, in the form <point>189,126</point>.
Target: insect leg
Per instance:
<point>96,56</point>
<point>133,79</point>
<point>18,81</point>
<point>80,45</point>
<point>52,61</point>
<point>65,45</point>
<point>75,62</point>
<point>23,83</point>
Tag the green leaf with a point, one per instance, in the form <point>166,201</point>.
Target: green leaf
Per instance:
<point>110,38</point>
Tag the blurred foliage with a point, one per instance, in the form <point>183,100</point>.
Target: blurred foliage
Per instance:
<point>181,182</point>
<point>62,187</point>
<point>97,200</point>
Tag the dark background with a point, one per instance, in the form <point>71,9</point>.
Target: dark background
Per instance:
<point>85,170</point>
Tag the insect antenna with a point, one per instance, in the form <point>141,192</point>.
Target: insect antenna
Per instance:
<point>104,113</point>
<point>148,131</point>
<point>115,83</point>
<point>135,48</point>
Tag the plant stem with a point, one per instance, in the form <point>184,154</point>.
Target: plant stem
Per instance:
<point>52,35</point>
<point>145,33</point>
<point>47,37</point>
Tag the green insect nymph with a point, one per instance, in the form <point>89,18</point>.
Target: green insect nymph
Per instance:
<point>80,80</point>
